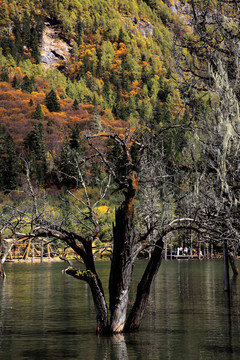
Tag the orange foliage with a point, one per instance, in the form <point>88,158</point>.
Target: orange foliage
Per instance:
<point>16,115</point>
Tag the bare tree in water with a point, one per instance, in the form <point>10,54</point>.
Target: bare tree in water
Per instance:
<point>121,156</point>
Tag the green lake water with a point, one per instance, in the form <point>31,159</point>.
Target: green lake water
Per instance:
<point>45,314</point>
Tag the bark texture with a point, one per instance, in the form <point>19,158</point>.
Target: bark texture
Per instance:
<point>122,261</point>
<point>226,266</point>
<point>144,287</point>
<point>97,294</point>
<point>232,261</point>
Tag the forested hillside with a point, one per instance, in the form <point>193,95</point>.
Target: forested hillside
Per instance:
<point>157,70</point>
<point>164,72</point>
<point>110,65</point>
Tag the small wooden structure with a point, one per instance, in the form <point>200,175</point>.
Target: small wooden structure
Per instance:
<point>26,249</point>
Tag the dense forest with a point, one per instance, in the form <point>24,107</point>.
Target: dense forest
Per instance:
<point>109,68</point>
<point>120,104</point>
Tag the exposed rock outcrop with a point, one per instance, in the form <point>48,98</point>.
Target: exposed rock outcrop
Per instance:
<point>143,25</point>
<point>54,50</point>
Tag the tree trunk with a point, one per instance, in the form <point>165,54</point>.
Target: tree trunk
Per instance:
<point>226,267</point>
<point>2,272</point>
<point>97,294</point>
<point>232,259</point>
<point>3,256</point>
<point>121,267</point>
<point>144,287</point>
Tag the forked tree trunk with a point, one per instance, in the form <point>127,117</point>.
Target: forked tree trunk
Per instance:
<point>144,287</point>
<point>122,259</point>
<point>121,267</point>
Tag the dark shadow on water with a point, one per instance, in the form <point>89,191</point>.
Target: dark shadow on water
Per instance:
<point>229,299</point>
<point>223,349</point>
<point>41,354</point>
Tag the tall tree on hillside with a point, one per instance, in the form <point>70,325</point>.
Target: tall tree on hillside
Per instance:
<point>70,158</point>
<point>52,102</point>
<point>38,114</point>
<point>27,84</point>
<point>8,161</point>
<point>34,144</point>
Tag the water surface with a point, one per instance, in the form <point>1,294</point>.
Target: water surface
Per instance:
<point>46,314</point>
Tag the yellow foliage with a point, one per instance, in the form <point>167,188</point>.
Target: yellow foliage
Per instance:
<point>103,210</point>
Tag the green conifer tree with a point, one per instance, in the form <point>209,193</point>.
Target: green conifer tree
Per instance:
<point>80,30</point>
<point>15,83</point>
<point>27,84</point>
<point>26,31</point>
<point>75,105</point>
<point>38,113</point>
<point>5,75</point>
<point>18,39</point>
<point>8,161</point>
<point>96,123</point>
<point>4,14</point>
<point>34,143</point>
<point>70,155</point>
<point>34,46</point>
<point>52,102</point>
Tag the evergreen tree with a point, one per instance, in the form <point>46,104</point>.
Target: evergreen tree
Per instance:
<point>27,84</point>
<point>75,141</point>
<point>70,155</point>
<point>80,30</point>
<point>15,83</point>
<point>31,102</point>
<point>75,105</point>
<point>34,46</point>
<point>52,102</point>
<point>34,143</point>
<point>5,75</point>
<point>6,43</point>
<point>121,36</point>
<point>18,39</point>
<point>4,14</point>
<point>38,113</point>
<point>96,123</point>
<point>26,30</point>
<point>95,25</point>
<point>8,161</point>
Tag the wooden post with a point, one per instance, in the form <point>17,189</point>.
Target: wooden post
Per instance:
<point>28,249</point>
<point>165,252</point>
<point>191,243</point>
<point>211,255</point>
<point>226,266</point>
<point>171,250</point>
<point>42,251</point>
<point>49,251</point>
<point>204,250</point>
<point>32,252</point>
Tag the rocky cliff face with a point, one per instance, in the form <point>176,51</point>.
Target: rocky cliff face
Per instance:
<point>54,50</point>
<point>143,25</point>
